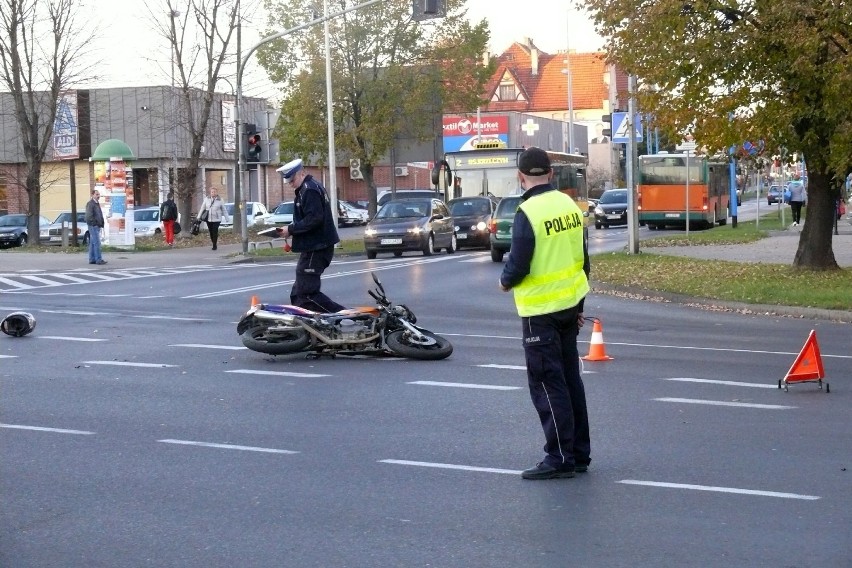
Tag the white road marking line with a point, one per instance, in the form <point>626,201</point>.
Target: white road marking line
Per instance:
<point>42,429</point>
<point>40,280</point>
<point>71,278</point>
<point>129,364</point>
<point>451,466</point>
<point>206,346</point>
<point>727,383</point>
<point>720,489</point>
<point>462,385</point>
<point>8,356</point>
<point>78,313</point>
<point>170,318</point>
<point>63,338</point>
<point>276,373</point>
<point>16,284</point>
<point>511,367</point>
<point>718,349</point>
<point>396,263</point>
<point>479,259</point>
<point>228,447</point>
<point>725,403</point>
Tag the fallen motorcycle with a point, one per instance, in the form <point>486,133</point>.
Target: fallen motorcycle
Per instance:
<point>387,329</point>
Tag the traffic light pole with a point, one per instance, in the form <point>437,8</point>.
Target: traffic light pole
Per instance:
<point>238,197</point>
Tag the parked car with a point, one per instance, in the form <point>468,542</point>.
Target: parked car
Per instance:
<point>386,195</point>
<point>281,215</point>
<point>13,229</point>
<point>500,227</point>
<point>347,215</point>
<point>775,194</point>
<point>146,222</point>
<point>256,213</point>
<point>52,234</point>
<point>611,208</point>
<point>417,224</point>
<point>472,216</point>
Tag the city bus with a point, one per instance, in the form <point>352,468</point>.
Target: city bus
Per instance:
<point>491,169</point>
<point>662,191</point>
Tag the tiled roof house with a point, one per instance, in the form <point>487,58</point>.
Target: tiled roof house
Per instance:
<point>531,81</point>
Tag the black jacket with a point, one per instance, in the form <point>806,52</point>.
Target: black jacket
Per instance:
<point>313,225</point>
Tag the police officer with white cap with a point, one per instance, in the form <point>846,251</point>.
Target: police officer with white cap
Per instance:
<point>314,236</point>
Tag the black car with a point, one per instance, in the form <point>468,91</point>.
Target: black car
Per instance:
<point>472,216</point>
<point>611,208</point>
<point>13,229</point>
<point>419,224</point>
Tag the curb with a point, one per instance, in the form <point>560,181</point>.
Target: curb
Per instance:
<point>633,293</point>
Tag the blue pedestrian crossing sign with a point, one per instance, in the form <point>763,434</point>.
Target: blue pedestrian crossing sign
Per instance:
<point>619,127</point>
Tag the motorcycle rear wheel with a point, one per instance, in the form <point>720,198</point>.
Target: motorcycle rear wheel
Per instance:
<point>260,339</point>
<point>431,348</point>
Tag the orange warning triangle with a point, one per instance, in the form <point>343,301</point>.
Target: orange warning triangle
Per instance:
<point>808,365</point>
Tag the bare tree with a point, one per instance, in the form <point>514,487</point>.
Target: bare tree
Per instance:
<point>199,34</point>
<point>41,52</point>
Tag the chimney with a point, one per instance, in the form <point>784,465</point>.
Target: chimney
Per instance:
<point>533,60</point>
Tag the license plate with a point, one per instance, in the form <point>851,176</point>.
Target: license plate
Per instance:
<point>391,241</point>
<point>461,235</point>
<point>55,238</point>
<point>613,216</point>
<point>673,215</point>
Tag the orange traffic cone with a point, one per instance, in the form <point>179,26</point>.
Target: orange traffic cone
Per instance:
<point>255,301</point>
<point>597,351</point>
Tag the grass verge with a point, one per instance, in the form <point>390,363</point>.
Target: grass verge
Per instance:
<point>750,283</point>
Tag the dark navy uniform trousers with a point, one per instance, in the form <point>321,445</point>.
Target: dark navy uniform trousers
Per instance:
<point>306,289</point>
<point>556,388</point>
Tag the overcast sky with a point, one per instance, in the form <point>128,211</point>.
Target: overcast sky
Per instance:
<point>129,53</point>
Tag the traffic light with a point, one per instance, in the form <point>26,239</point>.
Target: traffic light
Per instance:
<point>253,147</point>
<point>607,120</point>
<point>427,9</point>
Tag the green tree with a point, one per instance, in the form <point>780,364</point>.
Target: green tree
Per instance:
<point>749,70</point>
<point>390,75</point>
<point>42,47</point>
<point>199,35</point>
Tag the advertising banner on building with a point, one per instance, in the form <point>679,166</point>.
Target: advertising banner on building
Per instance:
<point>229,127</point>
<point>66,136</point>
<point>460,132</point>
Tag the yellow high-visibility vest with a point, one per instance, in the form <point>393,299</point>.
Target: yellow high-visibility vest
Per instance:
<point>556,280</point>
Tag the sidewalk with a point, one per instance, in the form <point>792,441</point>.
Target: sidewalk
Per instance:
<point>17,261</point>
<point>779,248</point>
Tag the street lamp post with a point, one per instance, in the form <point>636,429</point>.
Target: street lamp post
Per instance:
<point>567,71</point>
<point>241,68</point>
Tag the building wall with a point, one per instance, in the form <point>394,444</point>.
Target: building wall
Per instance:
<point>147,119</point>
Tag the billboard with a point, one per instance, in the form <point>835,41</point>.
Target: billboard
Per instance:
<point>66,135</point>
<point>460,131</point>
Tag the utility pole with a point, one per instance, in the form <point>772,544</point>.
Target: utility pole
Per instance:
<point>633,217</point>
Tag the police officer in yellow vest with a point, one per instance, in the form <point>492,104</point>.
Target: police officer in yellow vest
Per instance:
<point>548,270</point>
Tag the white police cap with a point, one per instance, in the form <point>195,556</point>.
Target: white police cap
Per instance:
<point>289,169</point>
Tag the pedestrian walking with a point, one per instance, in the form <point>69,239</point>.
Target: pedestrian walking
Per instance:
<point>548,271</point>
<point>95,221</point>
<point>169,215</point>
<point>213,212</point>
<point>314,236</point>
<point>797,198</point>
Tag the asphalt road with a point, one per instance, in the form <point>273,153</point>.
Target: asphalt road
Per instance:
<point>136,431</point>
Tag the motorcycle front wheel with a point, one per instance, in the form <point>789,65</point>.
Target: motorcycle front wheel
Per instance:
<point>262,340</point>
<point>429,347</point>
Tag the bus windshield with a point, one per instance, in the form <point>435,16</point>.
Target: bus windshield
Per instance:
<point>671,170</point>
